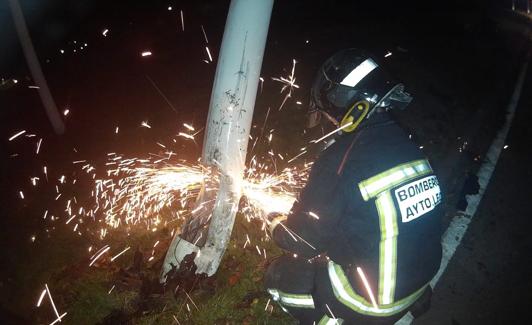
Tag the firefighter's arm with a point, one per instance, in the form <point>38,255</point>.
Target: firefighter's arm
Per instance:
<point>290,239</point>
<point>311,225</point>
<point>299,232</point>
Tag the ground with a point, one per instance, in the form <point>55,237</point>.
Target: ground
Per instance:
<point>459,62</point>
<point>487,280</point>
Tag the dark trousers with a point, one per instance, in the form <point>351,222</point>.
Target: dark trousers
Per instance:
<point>298,276</point>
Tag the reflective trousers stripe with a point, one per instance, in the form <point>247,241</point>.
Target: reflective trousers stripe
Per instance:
<point>291,299</point>
<point>326,320</point>
<point>346,295</point>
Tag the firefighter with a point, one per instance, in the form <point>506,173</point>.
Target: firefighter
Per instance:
<point>363,238</point>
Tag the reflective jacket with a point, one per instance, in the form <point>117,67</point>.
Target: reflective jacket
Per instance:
<point>376,212</point>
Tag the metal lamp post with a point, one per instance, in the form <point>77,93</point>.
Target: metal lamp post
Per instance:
<point>227,132</point>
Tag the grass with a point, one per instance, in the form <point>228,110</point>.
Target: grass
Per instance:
<point>90,301</point>
<point>237,295</point>
<point>234,295</point>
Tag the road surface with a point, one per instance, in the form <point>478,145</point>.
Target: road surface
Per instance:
<point>488,280</point>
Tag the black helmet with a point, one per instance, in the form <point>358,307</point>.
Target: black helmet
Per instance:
<point>348,88</point>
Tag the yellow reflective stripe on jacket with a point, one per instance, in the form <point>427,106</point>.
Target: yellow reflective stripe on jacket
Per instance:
<point>388,247</point>
<point>326,320</point>
<point>292,299</point>
<point>379,187</point>
<point>345,294</point>
<point>371,187</point>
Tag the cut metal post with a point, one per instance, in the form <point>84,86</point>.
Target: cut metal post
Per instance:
<point>35,68</point>
<point>228,127</point>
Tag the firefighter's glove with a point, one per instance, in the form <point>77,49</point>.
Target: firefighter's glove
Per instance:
<point>273,219</point>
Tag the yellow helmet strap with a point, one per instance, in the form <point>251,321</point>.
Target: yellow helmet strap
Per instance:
<point>355,114</point>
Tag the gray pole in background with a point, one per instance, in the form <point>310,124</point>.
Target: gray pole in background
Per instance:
<point>35,68</point>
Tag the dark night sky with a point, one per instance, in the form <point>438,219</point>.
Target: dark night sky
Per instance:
<point>54,22</point>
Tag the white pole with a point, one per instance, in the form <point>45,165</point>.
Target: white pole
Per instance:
<point>228,126</point>
<point>35,68</point>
